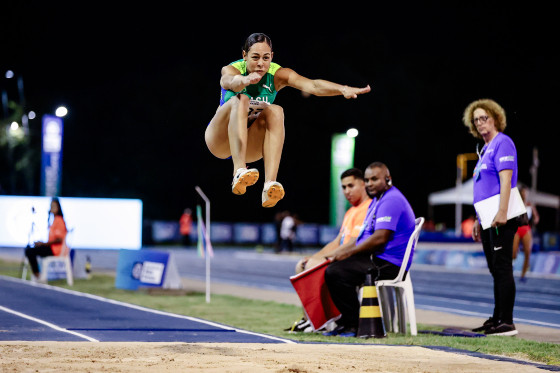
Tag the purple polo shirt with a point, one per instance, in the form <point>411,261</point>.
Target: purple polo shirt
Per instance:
<point>499,155</point>
<point>392,212</point>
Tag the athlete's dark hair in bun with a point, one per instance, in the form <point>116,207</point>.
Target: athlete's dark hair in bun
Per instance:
<point>254,39</point>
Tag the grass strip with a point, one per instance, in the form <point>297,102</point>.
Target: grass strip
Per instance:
<point>272,318</point>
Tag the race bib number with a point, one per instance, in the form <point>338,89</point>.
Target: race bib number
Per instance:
<point>255,108</point>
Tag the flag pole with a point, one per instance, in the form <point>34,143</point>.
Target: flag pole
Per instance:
<point>207,238</point>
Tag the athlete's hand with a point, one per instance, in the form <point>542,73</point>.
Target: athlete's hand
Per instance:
<point>252,78</point>
<point>351,92</point>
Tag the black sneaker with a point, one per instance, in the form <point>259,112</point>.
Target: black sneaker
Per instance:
<point>486,326</point>
<point>301,326</point>
<point>502,329</point>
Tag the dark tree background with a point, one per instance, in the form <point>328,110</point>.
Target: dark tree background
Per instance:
<point>141,85</point>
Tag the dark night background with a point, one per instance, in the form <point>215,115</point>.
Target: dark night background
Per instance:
<point>142,83</point>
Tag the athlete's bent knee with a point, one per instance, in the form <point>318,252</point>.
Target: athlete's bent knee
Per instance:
<point>275,110</point>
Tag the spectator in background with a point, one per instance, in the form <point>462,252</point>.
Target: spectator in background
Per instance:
<point>354,189</point>
<point>429,226</point>
<point>57,233</point>
<point>467,226</point>
<point>185,226</point>
<point>287,232</point>
<point>278,217</point>
<point>524,234</point>
<point>495,174</point>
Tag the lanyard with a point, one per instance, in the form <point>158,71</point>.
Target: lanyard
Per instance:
<point>374,210</point>
<point>481,155</point>
<point>365,226</point>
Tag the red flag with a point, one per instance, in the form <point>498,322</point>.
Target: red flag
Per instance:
<point>314,295</point>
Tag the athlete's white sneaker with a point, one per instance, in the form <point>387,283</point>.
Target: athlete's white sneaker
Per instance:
<point>272,193</point>
<point>244,178</point>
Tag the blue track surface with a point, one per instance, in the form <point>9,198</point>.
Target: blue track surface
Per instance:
<point>36,312</point>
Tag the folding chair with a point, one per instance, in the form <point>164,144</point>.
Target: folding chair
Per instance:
<point>403,290</point>
<point>63,258</point>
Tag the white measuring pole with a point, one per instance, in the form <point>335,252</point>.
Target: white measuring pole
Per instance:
<point>206,255</point>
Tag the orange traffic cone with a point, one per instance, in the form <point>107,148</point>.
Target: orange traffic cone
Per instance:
<point>371,322</point>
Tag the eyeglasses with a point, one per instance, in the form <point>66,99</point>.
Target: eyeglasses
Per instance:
<point>481,119</point>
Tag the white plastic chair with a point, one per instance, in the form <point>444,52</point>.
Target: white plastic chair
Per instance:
<point>64,258</point>
<point>403,290</point>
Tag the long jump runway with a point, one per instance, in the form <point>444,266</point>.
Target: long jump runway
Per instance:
<point>38,312</point>
<point>43,313</point>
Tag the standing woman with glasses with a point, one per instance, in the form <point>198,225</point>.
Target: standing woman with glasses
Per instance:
<point>495,174</point>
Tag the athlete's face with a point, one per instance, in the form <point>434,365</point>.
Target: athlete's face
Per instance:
<point>375,181</point>
<point>258,58</point>
<point>353,189</point>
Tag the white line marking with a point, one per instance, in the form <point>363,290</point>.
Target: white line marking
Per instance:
<point>479,314</point>
<point>485,304</point>
<point>489,298</point>
<point>47,324</point>
<point>133,306</point>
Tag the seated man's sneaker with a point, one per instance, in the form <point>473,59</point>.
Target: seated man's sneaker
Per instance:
<point>342,331</point>
<point>301,326</point>
<point>244,178</point>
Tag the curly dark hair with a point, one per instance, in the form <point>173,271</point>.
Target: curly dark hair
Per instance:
<point>492,108</point>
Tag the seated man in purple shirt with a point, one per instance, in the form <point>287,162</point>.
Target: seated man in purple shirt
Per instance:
<point>379,247</point>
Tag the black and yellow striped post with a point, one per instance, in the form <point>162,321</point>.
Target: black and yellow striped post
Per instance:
<point>371,322</point>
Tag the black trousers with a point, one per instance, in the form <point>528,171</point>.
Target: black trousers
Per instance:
<point>287,244</point>
<point>498,249</point>
<point>343,277</point>
<point>33,252</point>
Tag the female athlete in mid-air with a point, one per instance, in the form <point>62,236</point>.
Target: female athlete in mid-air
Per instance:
<point>247,126</point>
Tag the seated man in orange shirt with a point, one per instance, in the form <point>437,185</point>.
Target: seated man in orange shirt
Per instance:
<point>354,189</point>
<point>57,232</point>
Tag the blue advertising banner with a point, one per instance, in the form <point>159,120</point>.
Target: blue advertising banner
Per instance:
<point>139,268</point>
<point>51,158</point>
<point>246,233</point>
<point>308,234</point>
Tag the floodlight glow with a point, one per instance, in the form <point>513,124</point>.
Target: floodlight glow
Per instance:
<point>352,132</point>
<point>31,115</point>
<point>61,111</point>
<point>9,74</point>
<point>14,126</point>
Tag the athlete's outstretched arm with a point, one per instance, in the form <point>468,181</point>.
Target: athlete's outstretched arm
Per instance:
<point>318,87</point>
<point>233,80</point>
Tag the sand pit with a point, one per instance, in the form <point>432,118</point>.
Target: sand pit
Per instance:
<point>247,358</point>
